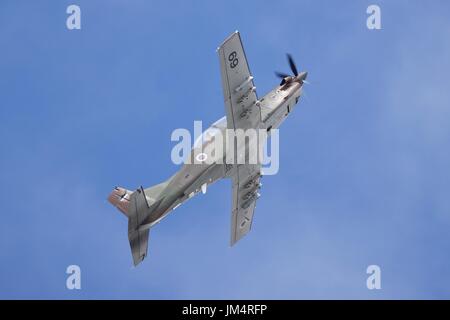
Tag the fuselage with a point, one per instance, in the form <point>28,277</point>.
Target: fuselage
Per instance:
<point>193,177</point>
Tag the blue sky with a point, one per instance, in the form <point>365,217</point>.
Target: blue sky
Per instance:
<point>364,159</point>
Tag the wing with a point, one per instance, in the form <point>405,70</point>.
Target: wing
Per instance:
<point>243,112</point>
<point>246,183</point>
<point>237,82</point>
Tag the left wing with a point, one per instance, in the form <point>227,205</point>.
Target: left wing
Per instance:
<point>246,183</point>
<point>237,84</point>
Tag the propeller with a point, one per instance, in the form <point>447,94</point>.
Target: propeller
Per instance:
<point>281,74</point>
<point>293,67</point>
<point>283,77</point>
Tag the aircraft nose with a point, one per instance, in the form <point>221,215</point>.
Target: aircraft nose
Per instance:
<point>303,75</point>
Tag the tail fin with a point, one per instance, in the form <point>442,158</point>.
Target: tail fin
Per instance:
<point>137,206</point>
<point>121,197</point>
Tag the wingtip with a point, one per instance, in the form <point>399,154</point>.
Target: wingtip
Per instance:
<point>138,260</point>
<point>228,38</point>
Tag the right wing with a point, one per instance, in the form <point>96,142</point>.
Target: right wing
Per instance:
<point>246,183</point>
<point>237,84</point>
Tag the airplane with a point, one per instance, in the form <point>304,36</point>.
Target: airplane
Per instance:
<point>244,110</point>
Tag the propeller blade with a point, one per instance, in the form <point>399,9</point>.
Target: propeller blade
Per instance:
<point>292,65</point>
<point>307,82</point>
<point>281,75</point>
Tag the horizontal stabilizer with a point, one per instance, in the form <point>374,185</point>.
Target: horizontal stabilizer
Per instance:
<point>139,210</point>
<point>138,243</point>
<point>120,198</point>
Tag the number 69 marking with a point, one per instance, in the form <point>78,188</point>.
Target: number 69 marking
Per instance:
<point>234,61</point>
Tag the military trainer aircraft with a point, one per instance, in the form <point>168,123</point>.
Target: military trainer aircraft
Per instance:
<point>244,110</point>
